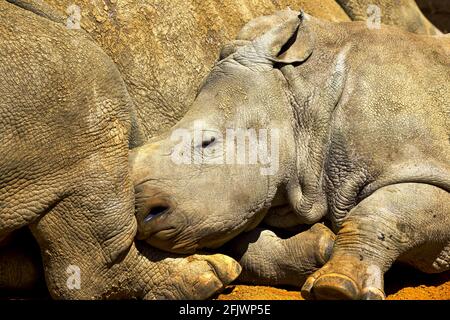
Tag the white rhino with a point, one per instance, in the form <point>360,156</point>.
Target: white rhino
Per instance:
<point>364,123</point>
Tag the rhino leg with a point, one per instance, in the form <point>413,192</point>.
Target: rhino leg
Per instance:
<point>197,276</point>
<point>407,221</point>
<point>267,259</point>
<point>88,250</point>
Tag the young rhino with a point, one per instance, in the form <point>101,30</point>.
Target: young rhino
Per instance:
<point>363,124</point>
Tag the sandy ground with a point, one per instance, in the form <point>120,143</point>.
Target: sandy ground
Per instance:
<point>400,284</point>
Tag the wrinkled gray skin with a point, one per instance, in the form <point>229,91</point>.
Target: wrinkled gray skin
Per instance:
<point>364,126</point>
<point>65,131</point>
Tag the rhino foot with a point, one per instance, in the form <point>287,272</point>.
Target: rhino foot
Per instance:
<point>345,278</point>
<point>195,277</point>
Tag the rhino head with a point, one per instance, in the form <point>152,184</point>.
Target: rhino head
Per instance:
<point>235,153</point>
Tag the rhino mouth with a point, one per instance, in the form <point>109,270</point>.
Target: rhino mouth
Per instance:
<point>186,247</point>
<point>163,227</point>
<point>168,230</point>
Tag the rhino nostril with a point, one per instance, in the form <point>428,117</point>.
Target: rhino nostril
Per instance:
<point>156,211</point>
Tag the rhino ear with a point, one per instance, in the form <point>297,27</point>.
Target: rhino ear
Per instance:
<point>231,47</point>
<point>288,42</point>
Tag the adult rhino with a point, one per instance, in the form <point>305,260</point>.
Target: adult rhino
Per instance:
<point>364,121</point>
<point>66,125</point>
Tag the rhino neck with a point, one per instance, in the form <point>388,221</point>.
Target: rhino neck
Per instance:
<point>315,91</point>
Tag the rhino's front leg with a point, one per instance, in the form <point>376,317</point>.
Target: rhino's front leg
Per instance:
<point>406,221</point>
<point>88,249</point>
<point>267,259</point>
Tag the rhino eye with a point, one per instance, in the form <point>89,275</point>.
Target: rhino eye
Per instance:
<point>206,143</point>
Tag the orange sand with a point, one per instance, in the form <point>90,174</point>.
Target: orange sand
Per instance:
<point>401,284</point>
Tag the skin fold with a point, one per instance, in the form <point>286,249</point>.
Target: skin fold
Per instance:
<point>361,137</point>
<point>66,126</point>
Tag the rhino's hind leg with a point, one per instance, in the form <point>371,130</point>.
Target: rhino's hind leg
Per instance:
<point>267,259</point>
<point>406,221</point>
